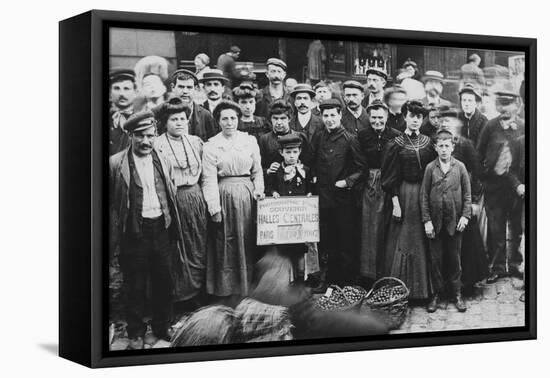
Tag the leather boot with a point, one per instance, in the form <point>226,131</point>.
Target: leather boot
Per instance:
<point>460,304</point>
<point>432,306</point>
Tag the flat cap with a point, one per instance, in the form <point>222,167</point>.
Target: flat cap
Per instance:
<point>276,62</point>
<point>377,104</point>
<point>118,74</point>
<point>183,71</point>
<point>290,140</point>
<point>433,76</point>
<point>470,88</point>
<point>447,111</point>
<point>353,84</point>
<point>330,104</point>
<point>140,121</point>
<point>377,71</point>
<point>213,74</point>
<point>302,88</point>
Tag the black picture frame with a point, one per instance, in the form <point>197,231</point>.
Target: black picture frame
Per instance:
<point>83,165</point>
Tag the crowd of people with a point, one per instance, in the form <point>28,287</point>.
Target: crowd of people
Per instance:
<point>410,187</point>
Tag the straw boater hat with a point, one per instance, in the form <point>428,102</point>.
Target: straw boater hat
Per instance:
<point>213,74</point>
<point>433,76</point>
<point>302,88</point>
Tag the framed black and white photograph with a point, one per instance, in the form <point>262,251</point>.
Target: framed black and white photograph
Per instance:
<point>260,188</point>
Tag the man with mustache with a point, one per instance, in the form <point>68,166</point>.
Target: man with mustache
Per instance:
<point>183,84</point>
<point>338,166</point>
<point>275,90</point>
<point>122,96</point>
<point>280,114</point>
<point>144,227</point>
<point>433,85</point>
<point>376,81</point>
<point>354,116</point>
<point>214,83</point>
<point>503,188</point>
<point>304,120</point>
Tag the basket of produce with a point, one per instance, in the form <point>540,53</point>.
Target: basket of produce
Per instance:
<point>389,297</point>
<point>337,299</point>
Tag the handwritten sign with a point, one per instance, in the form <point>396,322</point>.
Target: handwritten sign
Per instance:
<point>288,220</point>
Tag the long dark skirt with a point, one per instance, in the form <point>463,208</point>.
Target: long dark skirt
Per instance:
<point>406,245</point>
<point>372,230</point>
<point>475,266</point>
<point>231,257</point>
<point>189,275</point>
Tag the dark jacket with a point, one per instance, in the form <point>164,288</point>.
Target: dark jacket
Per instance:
<point>396,121</point>
<point>119,191</point>
<point>202,124</point>
<point>445,197</point>
<point>466,153</point>
<point>336,156</point>
<point>472,128</point>
<point>372,144</point>
<point>315,123</point>
<point>300,185</point>
<point>518,159</point>
<point>265,100</point>
<point>354,125</point>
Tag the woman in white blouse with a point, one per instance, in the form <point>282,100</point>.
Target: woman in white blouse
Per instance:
<point>184,152</point>
<point>232,180</point>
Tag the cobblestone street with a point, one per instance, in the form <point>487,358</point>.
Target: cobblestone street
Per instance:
<point>494,305</point>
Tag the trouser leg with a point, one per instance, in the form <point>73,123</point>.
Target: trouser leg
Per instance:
<point>453,245</point>
<point>496,224</point>
<point>436,263</point>
<point>515,257</point>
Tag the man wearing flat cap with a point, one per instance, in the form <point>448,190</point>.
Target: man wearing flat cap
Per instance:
<point>275,90</point>
<point>183,84</point>
<point>472,119</point>
<point>145,227</point>
<point>122,96</point>
<point>503,188</point>
<point>227,64</point>
<point>304,120</point>
<point>338,165</point>
<point>214,83</point>
<point>376,81</point>
<point>354,116</point>
<point>433,85</point>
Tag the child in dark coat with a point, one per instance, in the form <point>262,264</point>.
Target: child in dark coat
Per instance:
<point>292,178</point>
<point>446,207</point>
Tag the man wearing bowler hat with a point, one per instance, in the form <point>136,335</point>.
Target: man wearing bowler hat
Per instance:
<point>122,96</point>
<point>145,227</point>
<point>338,166</point>
<point>503,188</point>
<point>275,90</point>
<point>472,119</point>
<point>304,120</point>
<point>376,81</point>
<point>433,85</point>
<point>214,82</point>
<point>183,84</point>
<point>354,116</point>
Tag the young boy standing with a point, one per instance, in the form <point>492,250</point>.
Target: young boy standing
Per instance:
<point>446,207</point>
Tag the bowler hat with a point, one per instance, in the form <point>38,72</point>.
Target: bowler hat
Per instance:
<point>377,71</point>
<point>470,88</point>
<point>276,62</point>
<point>213,74</point>
<point>290,140</point>
<point>302,88</point>
<point>353,84</point>
<point>433,76</point>
<point>140,121</point>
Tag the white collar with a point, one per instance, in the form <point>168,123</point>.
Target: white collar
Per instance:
<point>409,132</point>
<point>304,118</point>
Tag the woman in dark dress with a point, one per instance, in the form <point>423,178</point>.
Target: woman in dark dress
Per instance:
<point>403,168</point>
<point>475,266</point>
<point>245,96</point>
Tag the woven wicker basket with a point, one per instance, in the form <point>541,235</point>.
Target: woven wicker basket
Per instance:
<point>348,305</point>
<point>394,311</point>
